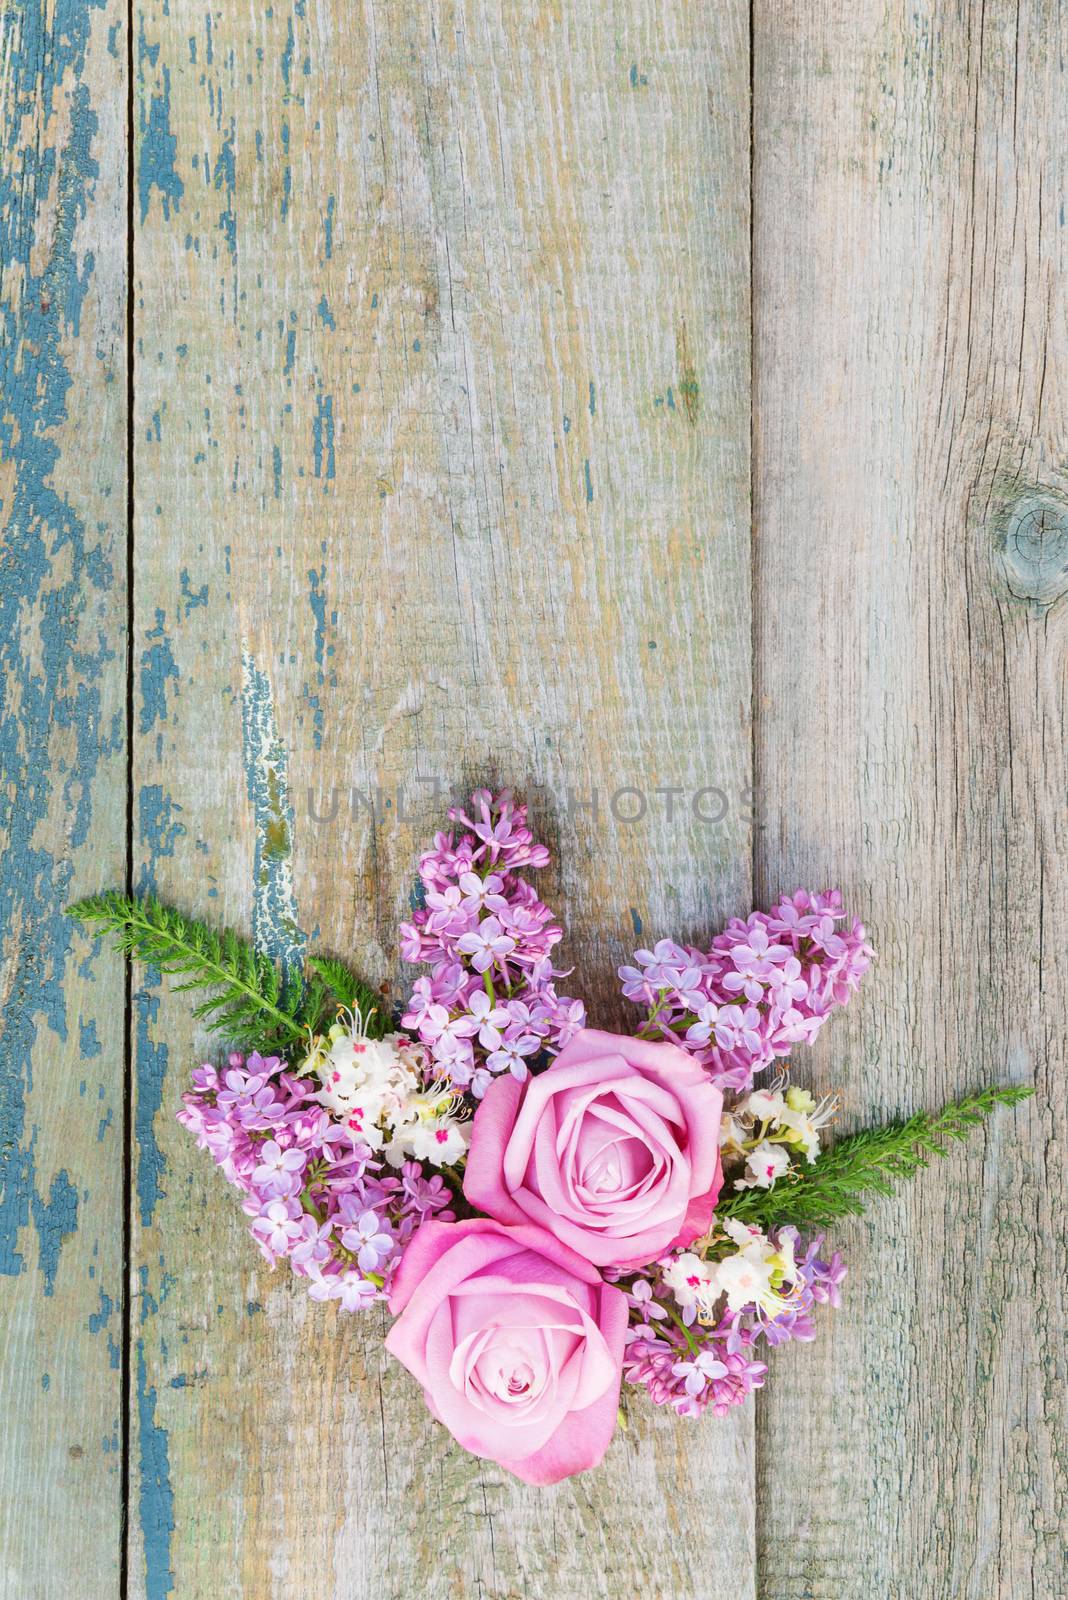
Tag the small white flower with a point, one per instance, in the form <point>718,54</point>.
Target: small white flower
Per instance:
<point>692,1281</point>
<point>439,1140</point>
<point>698,1373</point>
<point>765,1166</point>
<point>369,1241</point>
<point>803,1118</point>
<point>377,1089</point>
<point>763,1105</point>
<point>759,1273</point>
<point>745,1278</point>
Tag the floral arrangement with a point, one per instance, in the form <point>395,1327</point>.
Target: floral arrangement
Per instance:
<point>549,1210</point>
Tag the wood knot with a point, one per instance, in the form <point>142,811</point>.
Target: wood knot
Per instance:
<point>1031,546</point>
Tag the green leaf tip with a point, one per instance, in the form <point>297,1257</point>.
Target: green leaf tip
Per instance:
<point>869,1162</point>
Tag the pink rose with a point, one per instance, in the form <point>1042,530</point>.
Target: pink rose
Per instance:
<point>615,1149</point>
<point>517,1342</point>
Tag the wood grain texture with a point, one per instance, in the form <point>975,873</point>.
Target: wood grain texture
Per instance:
<point>62,792</point>
<point>910,522</point>
<point>442,473</point>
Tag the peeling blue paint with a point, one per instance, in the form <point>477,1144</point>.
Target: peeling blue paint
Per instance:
<point>276,470</point>
<point>151,1069</point>
<point>99,1319</point>
<point>157,665</point>
<point>149,1305</point>
<point>328,228</point>
<point>287,172</point>
<point>323,436</point>
<point>287,56</point>
<point>55,1220</point>
<point>636,923</point>
<point>275,928</point>
<point>159,147</point>
<point>156,1497</point>
<point>56,681</point>
<point>317,601</point>
<point>318,717</point>
<point>589,481</point>
<point>193,598</point>
<point>158,830</point>
<point>88,1043</point>
<point>225,177</point>
<point>326,316</point>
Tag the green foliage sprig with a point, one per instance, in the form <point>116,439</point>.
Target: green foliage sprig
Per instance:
<point>870,1162</point>
<point>351,992</point>
<point>251,1002</point>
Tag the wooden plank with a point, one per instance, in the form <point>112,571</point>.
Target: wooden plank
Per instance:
<point>909,298</point>
<point>62,791</point>
<point>442,473</point>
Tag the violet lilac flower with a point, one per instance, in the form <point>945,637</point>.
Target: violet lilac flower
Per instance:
<point>767,983</point>
<point>489,1004</point>
<point>312,1192</point>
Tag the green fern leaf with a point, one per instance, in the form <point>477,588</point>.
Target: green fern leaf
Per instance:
<point>870,1162</point>
<point>250,1004</point>
<point>250,1001</point>
<point>355,995</point>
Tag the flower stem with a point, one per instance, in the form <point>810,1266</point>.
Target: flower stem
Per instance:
<point>695,1348</point>
<point>455,1181</point>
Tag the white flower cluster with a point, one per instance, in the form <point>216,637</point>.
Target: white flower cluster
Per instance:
<point>377,1087</point>
<point>786,1125</point>
<point>758,1273</point>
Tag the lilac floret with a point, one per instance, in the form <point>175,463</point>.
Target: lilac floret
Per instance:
<point>312,1192</point>
<point>489,1005</point>
<point>768,983</point>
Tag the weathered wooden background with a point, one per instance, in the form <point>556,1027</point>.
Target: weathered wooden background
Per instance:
<point>627,393</point>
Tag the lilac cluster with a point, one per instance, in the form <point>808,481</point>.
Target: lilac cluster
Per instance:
<point>314,1194</point>
<point>769,982</point>
<point>692,1367</point>
<point>489,1004</point>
